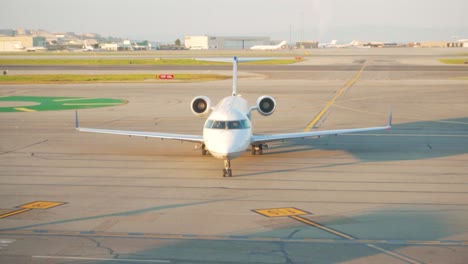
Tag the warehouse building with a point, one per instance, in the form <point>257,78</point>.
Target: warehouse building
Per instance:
<point>224,43</point>
<point>443,44</point>
<point>15,43</point>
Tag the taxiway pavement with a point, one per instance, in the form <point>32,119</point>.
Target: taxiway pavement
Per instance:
<point>398,196</point>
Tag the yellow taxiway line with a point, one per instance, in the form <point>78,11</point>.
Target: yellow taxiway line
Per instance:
<point>14,212</point>
<point>23,109</point>
<point>332,101</point>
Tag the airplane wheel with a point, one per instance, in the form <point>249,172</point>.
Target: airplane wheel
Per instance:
<point>227,173</point>
<point>203,150</point>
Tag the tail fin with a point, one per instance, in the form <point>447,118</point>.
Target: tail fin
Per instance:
<point>333,42</point>
<point>234,76</point>
<point>282,43</point>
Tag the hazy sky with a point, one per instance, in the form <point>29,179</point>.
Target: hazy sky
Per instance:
<point>323,20</point>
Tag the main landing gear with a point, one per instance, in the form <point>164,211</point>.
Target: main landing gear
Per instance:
<point>204,151</point>
<point>257,149</point>
<point>227,172</point>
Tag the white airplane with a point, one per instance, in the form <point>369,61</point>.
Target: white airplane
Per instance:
<point>326,45</point>
<point>353,43</point>
<point>227,132</point>
<point>270,47</point>
<point>86,47</point>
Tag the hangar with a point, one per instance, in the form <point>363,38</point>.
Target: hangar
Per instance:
<point>225,42</point>
<point>15,43</point>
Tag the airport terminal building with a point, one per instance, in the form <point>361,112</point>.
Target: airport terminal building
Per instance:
<point>231,43</point>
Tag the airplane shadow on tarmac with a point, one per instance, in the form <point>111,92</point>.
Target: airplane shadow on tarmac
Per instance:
<point>409,141</point>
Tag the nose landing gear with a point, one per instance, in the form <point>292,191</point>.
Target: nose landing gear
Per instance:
<point>227,172</point>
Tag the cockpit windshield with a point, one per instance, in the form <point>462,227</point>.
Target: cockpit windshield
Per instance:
<point>236,124</point>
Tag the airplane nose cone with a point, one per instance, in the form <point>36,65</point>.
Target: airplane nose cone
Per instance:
<point>227,147</point>
<point>223,151</point>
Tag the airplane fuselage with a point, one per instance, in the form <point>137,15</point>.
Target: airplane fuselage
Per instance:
<point>227,132</point>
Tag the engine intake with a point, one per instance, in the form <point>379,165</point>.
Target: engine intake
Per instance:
<point>266,105</point>
<point>201,106</point>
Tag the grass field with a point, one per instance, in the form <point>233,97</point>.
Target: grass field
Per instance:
<point>455,61</point>
<point>121,61</point>
<point>93,78</point>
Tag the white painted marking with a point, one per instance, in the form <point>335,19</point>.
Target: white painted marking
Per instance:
<point>106,259</point>
<point>5,243</point>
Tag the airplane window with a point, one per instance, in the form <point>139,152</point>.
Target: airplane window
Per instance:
<point>234,125</point>
<point>237,124</point>
<point>219,125</point>
<point>209,123</point>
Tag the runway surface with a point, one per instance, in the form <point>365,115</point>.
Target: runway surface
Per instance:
<point>398,196</point>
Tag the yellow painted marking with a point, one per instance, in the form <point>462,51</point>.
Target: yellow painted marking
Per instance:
<point>14,212</point>
<point>312,223</point>
<point>34,205</point>
<point>73,99</point>
<point>41,205</point>
<point>280,212</point>
<point>91,103</point>
<point>332,101</point>
<point>24,109</point>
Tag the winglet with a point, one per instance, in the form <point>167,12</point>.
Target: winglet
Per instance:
<point>390,120</point>
<point>77,121</point>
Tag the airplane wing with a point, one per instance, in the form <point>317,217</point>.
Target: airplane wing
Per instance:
<point>279,137</point>
<point>170,136</point>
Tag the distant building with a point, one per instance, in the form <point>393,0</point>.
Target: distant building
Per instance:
<point>307,44</point>
<point>144,45</point>
<point>197,42</point>
<point>442,44</point>
<point>464,42</point>
<point>224,43</point>
<point>39,42</point>
<point>16,43</point>
<point>110,46</point>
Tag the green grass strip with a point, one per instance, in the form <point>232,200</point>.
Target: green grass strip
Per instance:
<point>54,61</point>
<point>454,61</point>
<point>271,62</point>
<point>93,78</point>
<point>104,61</point>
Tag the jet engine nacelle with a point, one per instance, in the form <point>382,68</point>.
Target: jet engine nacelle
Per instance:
<point>266,105</point>
<point>201,106</point>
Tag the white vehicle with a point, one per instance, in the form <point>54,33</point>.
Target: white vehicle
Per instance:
<point>34,49</point>
<point>282,45</point>
<point>227,132</point>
